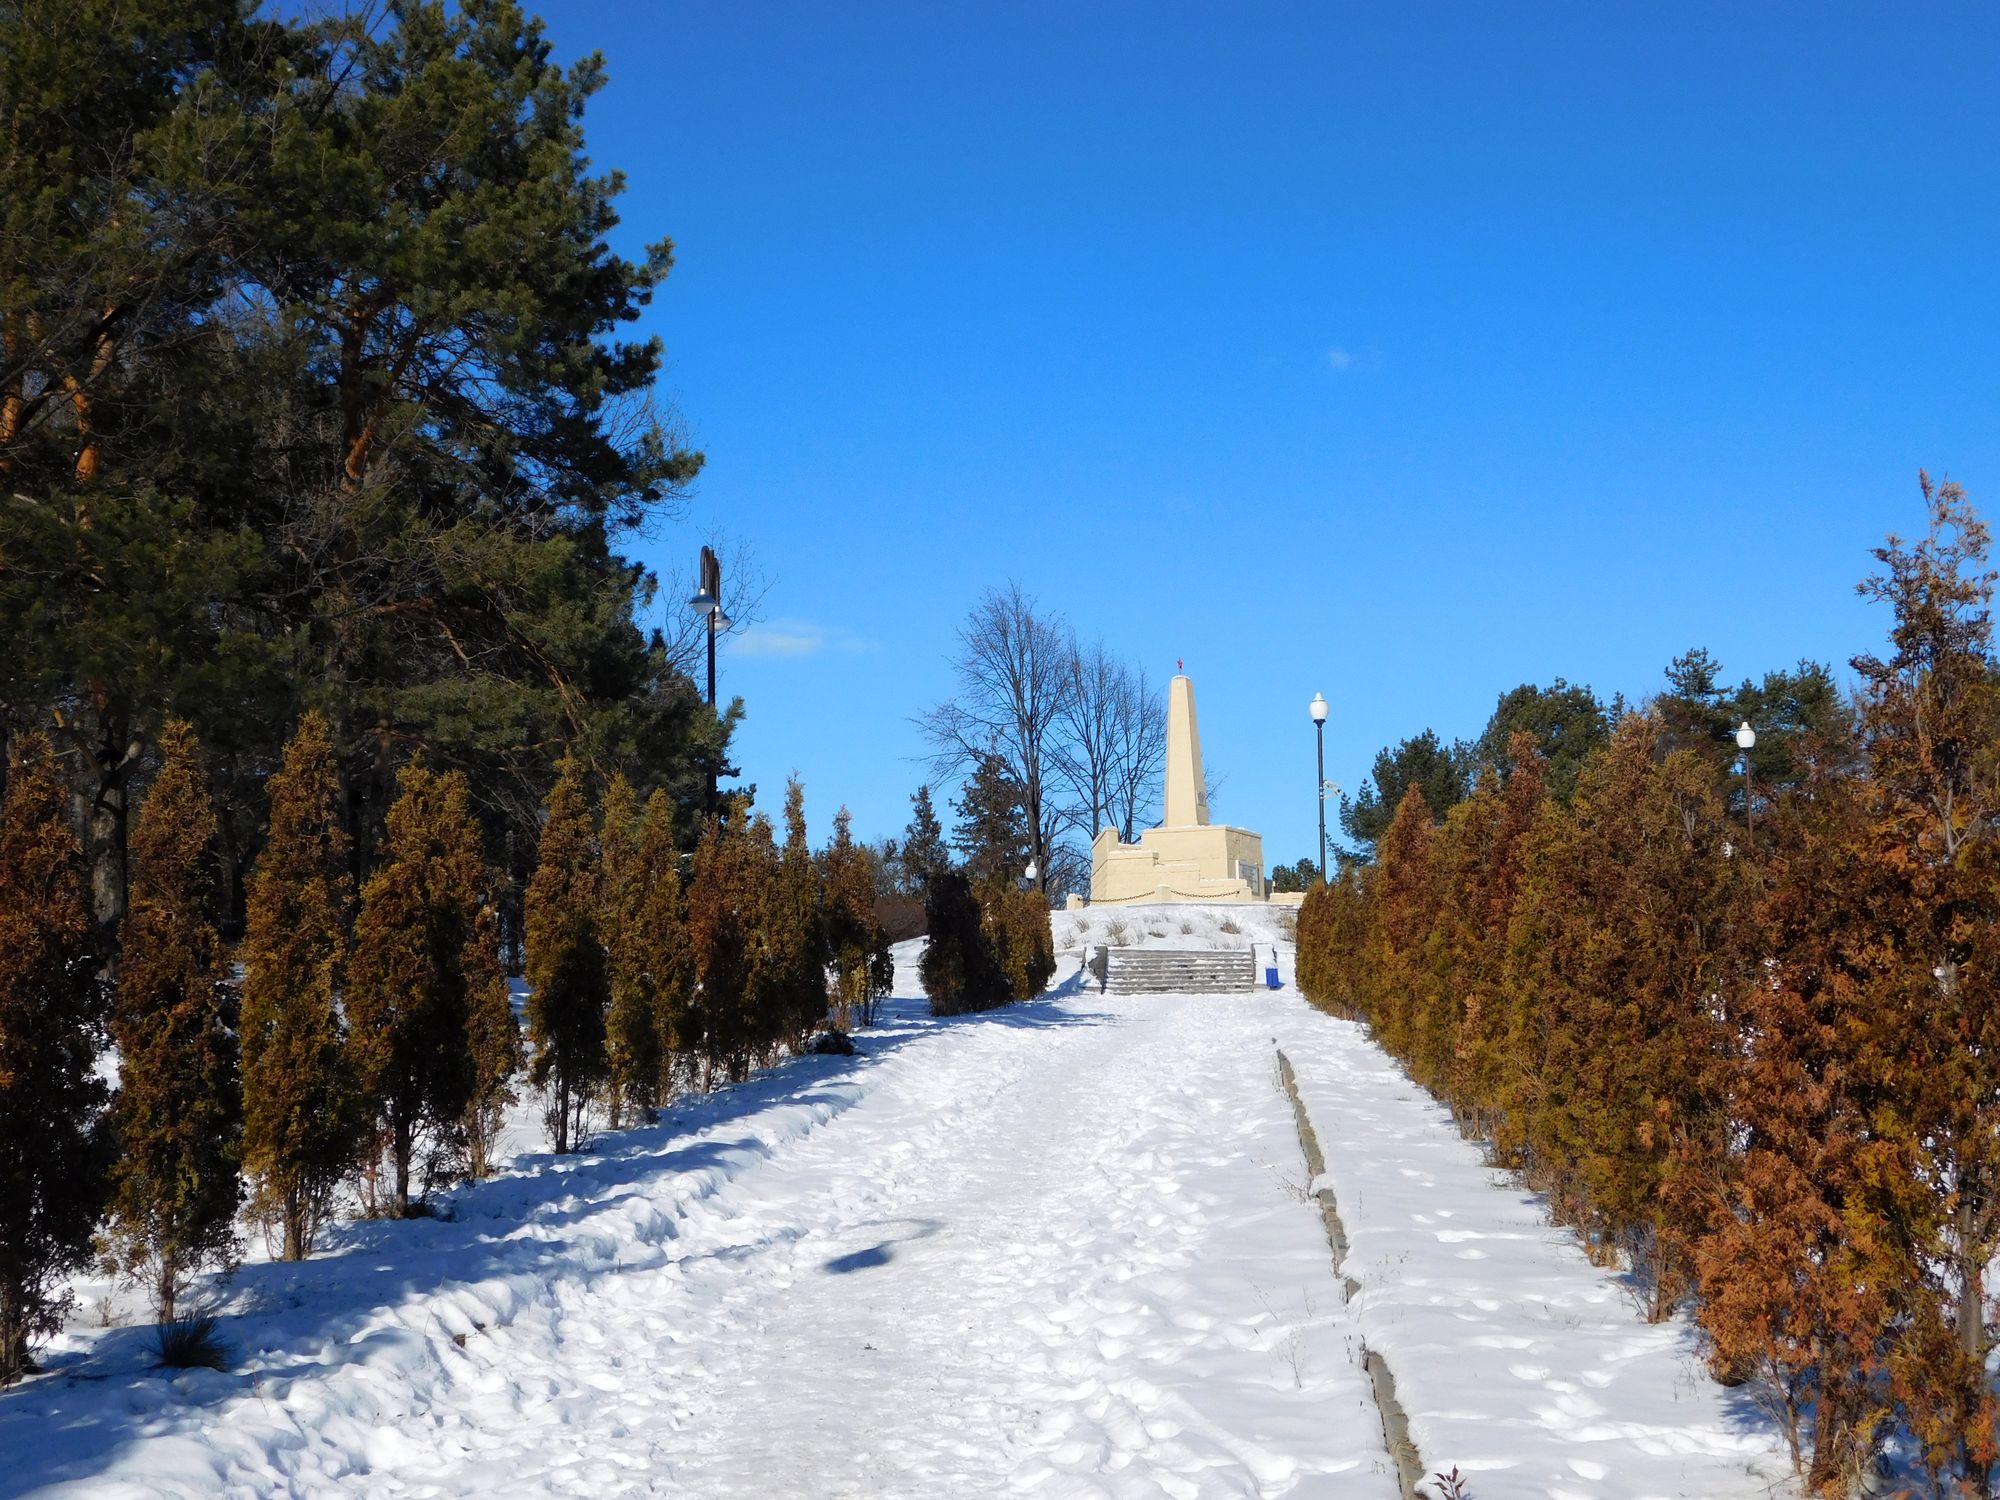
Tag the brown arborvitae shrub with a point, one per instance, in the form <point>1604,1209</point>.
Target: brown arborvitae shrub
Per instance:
<point>1448,999</point>
<point>1627,902</point>
<point>409,1004</point>
<point>51,1006</point>
<point>301,1110</point>
<point>1405,894</point>
<point>1479,944</point>
<point>1930,713</point>
<point>1335,938</point>
<point>1795,1267</point>
<point>566,965</point>
<point>179,1110</point>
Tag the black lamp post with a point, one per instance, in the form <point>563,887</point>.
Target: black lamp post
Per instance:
<point>1319,726</point>
<point>708,603</point>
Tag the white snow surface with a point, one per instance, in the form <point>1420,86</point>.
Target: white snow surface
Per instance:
<point>1061,1249</point>
<point>1516,1360</point>
<point>1181,925</point>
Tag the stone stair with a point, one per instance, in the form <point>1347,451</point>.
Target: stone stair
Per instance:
<point>1177,971</point>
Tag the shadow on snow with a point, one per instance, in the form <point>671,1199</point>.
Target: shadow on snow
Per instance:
<point>377,1288</point>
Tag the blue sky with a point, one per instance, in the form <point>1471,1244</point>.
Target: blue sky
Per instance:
<point>1398,352</point>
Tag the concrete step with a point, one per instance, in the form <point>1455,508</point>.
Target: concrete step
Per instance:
<point>1179,971</point>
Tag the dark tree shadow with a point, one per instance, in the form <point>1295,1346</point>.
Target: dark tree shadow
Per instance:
<point>884,1250</point>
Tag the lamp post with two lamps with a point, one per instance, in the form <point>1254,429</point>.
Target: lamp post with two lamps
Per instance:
<point>709,604</point>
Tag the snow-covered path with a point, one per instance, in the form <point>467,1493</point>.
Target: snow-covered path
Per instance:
<point>1062,1261</point>
<point>1062,1249</point>
<point>1058,1250</point>
<point>1517,1361</point>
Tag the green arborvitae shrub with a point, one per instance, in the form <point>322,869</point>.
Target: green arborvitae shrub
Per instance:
<point>178,1114</point>
<point>51,1005</point>
<point>632,1040</point>
<point>960,970</point>
<point>797,933</point>
<point>492,1035</point>
<point>855,940</point>
<point>1016,926</point>
<point>566,962</point>
<point>741,982</point>
<point>301,1110</point>
<point>665,958</point>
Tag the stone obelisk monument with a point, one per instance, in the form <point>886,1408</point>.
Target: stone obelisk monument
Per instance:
<point>1186,858</point>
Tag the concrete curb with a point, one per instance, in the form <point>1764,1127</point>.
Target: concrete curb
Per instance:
<point>1395,1422</point>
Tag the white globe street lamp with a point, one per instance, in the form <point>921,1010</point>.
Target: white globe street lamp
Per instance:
<point>1318,710</point>
<point>1746,741</point>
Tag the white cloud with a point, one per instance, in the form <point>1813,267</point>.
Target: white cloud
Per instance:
<point>1339,359</point>
<point>783,638</point>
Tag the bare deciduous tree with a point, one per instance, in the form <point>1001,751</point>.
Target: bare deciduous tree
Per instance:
<point>1087,751</point>
<point>1139,755</point>
<point>1014,682</point>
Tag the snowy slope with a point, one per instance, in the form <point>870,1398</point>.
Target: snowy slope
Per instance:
<point>1516,1360</point>
<point>1175,925</point>
<point>1056,1249</point>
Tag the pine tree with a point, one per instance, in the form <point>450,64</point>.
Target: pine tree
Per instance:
<point>178,1113</point>
<point>632,1031</point>
<point>410,993</point>
<point>51,1006</point>
<point>1424,762</point>
<point>924,852</point>
<point>992,832</point>
<point>301,1109</point>
<point>566,963</point>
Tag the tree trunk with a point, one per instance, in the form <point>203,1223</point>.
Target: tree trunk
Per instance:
<point>295,1229</point>
<point>404,1144</point>
<point>163,1290</point>
<point>13,1333</point>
